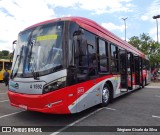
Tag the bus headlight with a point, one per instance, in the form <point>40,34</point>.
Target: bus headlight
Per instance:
<point>56,84</point>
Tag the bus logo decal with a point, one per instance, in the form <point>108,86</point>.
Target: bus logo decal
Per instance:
<point>80,90</point>
<point>14,85</point>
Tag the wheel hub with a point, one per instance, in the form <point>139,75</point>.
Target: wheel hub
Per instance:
<point>105,96</point>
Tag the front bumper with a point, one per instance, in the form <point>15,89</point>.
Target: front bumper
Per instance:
<point>54,102</point>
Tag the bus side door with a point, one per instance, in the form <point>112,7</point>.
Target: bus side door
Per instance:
<point>137,63</point>
<point>123,70</point>
<point>130,70</point>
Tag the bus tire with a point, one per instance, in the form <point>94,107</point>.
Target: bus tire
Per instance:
<point>106,95</point>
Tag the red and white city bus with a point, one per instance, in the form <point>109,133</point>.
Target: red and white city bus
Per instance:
<point>69,64</point>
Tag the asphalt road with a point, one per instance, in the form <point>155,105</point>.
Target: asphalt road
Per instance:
<point>139,108</point>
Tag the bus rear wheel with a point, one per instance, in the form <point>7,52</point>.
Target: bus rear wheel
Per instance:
<point>106,95</point>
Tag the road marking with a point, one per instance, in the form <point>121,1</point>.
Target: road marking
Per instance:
<point>75,122</point>
<point>110,108</point>
<point>10,114</point>
<point>157,96</point>
<point>155,116</point>
<point>4,101</point>
<point>3,93</point>
<point>152,87</point>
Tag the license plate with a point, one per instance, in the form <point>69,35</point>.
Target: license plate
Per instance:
<point>23,107</point>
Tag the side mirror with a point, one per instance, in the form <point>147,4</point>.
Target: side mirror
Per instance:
<point>14,43</point>
<point>78,34</point>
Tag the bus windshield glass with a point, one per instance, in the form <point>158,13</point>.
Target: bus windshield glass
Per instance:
<point>7,65</point>
<point>39,49</point>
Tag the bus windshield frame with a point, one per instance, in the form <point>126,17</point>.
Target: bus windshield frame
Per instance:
<point>39,50</point>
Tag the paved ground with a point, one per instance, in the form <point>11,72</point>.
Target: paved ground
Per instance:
<point>139,108</point>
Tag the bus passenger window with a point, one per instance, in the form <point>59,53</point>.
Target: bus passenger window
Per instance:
<point>1,66</point>
<point>73,27</point>
<point>114,58</point>
<point>7,65</point>
<point>113,51</point>
<point>91,60</point>
<point>103,60</point>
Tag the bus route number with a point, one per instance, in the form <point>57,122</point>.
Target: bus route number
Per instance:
<point>36,86</point>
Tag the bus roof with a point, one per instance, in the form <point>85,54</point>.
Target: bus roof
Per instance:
<point>98,30</point>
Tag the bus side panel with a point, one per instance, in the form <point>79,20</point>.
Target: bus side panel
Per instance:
<point>1,70</point>
<point>1,75</point>
<point>87,95</point>
<point>93,95</point>
<point>57,101</point>
<point>71,99</point>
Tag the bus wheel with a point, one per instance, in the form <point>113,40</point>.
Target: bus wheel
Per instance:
<point>106,95</point>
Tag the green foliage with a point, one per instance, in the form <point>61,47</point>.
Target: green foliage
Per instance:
<point>4,54</point>
<point>1,54</point>
<point>148,46</point>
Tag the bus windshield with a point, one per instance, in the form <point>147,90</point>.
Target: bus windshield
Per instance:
<point>38,49</point>
<point>7,65</point>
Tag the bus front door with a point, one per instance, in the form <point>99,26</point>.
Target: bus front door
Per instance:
<point>123,71</point>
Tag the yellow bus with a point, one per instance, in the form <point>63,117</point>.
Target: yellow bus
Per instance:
<point>4,64</point>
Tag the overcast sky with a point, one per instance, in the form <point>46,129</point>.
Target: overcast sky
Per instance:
<point>15,15</point>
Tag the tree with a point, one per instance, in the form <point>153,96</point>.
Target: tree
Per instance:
<point>1,54</point>
<point>5,52</point>
<point>148,46</point>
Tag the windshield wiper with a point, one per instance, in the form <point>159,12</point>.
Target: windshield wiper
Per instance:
<point>30,54</point>
<point>56,68</point>
<point>35,74</point>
